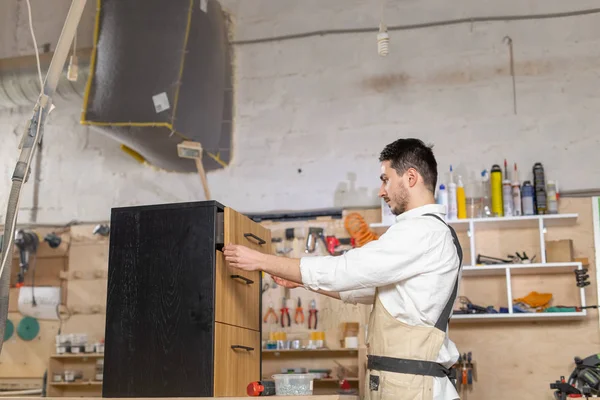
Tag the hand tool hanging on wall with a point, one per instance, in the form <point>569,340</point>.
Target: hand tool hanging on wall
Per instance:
<point>333,242</point>
<point>285,313</point>
<point>102,230</point>
<point>314,235</point>
<point>299,317</point>
<point>312,315</point>
<point>270,312</point>
<point>582,277</point>
<point>27,242</point>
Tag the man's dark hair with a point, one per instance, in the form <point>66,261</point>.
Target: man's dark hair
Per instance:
<point>406,153</point>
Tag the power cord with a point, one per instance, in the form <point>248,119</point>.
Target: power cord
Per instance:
<point>10,239</point>
<point>35,46</point>
<point>471,20</point>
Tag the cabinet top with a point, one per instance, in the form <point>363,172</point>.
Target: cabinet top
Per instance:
<point>165,206</point>
<point>316,397</point>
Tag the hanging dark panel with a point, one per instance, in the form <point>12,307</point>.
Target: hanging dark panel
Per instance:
<point>161,73</point>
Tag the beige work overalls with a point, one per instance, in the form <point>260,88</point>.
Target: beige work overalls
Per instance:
<point>393,346</point>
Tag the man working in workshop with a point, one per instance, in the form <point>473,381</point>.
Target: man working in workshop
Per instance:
<point>410,275</point>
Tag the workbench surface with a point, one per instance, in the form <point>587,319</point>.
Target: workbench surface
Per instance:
<point>316,397</point>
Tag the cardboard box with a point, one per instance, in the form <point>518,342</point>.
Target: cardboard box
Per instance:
<point>559,251</point>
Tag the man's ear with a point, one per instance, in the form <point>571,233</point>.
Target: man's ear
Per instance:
<point>413,177</point>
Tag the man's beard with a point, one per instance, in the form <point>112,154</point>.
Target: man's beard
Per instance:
<point>400,200</point>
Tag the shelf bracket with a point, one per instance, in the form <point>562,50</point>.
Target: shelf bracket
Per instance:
<point>542,228</point>
<point>509,291</point>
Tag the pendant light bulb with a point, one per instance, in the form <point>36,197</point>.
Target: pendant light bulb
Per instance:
<point>383,41</point>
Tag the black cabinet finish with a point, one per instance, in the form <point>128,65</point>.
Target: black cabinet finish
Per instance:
<point>160,319</point>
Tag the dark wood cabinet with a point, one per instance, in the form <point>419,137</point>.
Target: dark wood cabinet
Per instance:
<point>179,321</point>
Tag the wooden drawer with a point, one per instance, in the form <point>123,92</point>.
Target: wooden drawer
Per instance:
<point>240,229</point>
<point>237,297</point>
<point>237,360</point>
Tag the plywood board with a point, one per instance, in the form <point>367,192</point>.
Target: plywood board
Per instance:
<point>43,271</point>
<point>87,296</point>
<point>27,359</point>
<point>93,325</point>
<point>83,234</point>
<point>332,313</point>
<point>87,259</point>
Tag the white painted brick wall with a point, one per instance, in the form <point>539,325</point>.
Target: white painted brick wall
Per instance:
<point>328,105</point>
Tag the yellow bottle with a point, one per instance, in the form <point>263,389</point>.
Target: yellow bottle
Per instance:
<point>461,199</point>
<point>496,186</point>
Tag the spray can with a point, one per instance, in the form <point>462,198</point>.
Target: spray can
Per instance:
<point>461,199</point>
<point>442,197</point>
<point>486,198</point>
<point>527,198</point>
<point>539,185</point>
<point>516,193</point>
<point>507,200</point>
<point>452,205</point>
<point>496,186</point>
<point>552,201</point>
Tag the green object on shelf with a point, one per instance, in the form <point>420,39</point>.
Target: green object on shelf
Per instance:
<point>561,309</point>
<point>9,330</point>
<point>28,328</point>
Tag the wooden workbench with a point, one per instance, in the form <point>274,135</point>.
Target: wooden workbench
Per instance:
<point>323,397</point>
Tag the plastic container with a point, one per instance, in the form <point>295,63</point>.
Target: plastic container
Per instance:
<point>461,199</point>
<point>474,199</point>
<point>293,384</point>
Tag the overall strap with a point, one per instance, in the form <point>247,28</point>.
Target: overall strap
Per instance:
<point>442,322</point>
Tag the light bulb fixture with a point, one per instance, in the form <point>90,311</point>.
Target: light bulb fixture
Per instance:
<point>383,41</point>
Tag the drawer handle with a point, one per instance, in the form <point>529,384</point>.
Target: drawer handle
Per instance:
<point>237,346</point>
<point>252,235</point>
<point>248,281</point>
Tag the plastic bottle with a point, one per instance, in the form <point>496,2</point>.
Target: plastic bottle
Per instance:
<point>507,200</point>
<point>452,205</point>
<point>486,198</point>
<point>496,187</point>
<point>551,199</point>
<point>442,197</point>
<point>461,199</point>
<point>474,200</point>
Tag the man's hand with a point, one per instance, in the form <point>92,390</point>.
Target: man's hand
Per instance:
<point>285,283</point>
<point>242,257</point>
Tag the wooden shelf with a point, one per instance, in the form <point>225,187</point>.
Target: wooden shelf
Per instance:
<point>521,269</point>
<point>84,383</point>
<point>548,316</point>
<point>78,355</point>
<point>525,221</point>
<point>308,350</point>
<point>311,352</point>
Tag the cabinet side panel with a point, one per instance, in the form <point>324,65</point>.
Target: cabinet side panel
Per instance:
<point>160,303</point>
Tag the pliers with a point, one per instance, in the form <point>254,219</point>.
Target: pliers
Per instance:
<point>285,312</point>
<point>299,317</point>
<point>270,312</point>
<point>313,315</point>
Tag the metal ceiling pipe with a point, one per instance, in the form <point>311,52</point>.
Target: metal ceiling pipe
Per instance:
<point>20,89</point>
